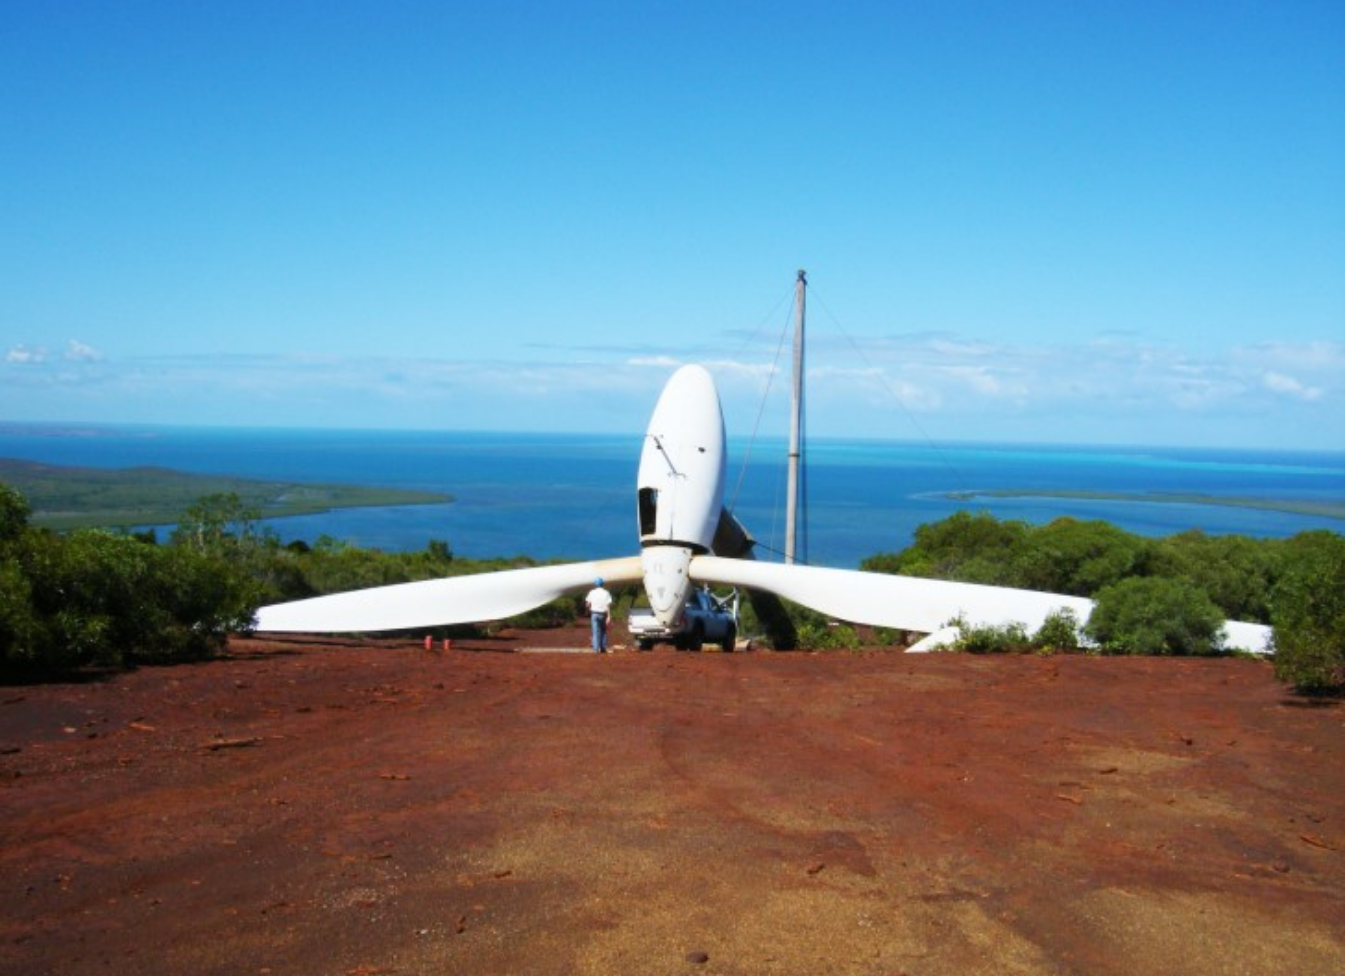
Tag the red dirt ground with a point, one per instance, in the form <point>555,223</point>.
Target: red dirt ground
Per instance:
<point>326,806</point>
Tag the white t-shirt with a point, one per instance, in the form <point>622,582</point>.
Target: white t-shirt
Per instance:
<point>598,600</point>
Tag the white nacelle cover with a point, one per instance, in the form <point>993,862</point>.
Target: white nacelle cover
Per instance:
<point>683,462</point>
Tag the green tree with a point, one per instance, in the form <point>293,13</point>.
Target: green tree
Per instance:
<point>966,546</point>
<point>1238,573</point>
<point>1309,613</point>
<point>219,523</point>
<point>198,600</point>
<point>14,512</point>
<point>98,598</point>
<point>20,630</point>
<point>89,590</point>
<point>1075,557</point>
<point>335,567</point>
<point>18,625</point>
<point>1154,615</point>
<point>438,551</point>
<point>1058,632</point>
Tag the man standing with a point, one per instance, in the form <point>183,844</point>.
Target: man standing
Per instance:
<point>599,603</point>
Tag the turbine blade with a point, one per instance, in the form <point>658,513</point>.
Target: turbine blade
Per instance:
<point>452,600</point>
<point>883,600</point>
<point>921,605</point>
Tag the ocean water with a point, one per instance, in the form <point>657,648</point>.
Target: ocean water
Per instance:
<point>573,496</point>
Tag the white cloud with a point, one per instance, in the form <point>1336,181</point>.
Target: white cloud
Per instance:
<point>1287,385</point>
<point>26,356</point>
<point>952,347</point>
<point>1302,357</point>
<point>976,379</point>
<point>759,375</point>
<point>80,352</point>
<point>1110,390</point>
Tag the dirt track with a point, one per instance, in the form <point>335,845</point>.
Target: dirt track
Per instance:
<point>324,807</point>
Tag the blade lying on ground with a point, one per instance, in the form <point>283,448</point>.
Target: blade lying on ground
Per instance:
<point>903,602</point>
<point>453,600</point>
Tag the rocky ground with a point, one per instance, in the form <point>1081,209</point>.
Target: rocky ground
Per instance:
<point>326,806</point>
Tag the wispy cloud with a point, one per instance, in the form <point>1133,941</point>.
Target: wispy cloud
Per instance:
<point>1117,370</point>
<point>24,355</point>
<point>1312,357</point>
<point>1287,385</point>
<point>80,352</point>
<point>1121,386</point>
<point>74,352</point>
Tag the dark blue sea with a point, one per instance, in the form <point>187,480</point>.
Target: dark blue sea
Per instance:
<point>573,496</point>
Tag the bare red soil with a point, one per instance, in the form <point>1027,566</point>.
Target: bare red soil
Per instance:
<point>324,806</point>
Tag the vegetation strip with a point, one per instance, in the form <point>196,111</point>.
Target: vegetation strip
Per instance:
<point>74,497</point>
<point>96,599</point>
<point>1291,506</point>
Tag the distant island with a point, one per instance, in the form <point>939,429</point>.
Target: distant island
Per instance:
<point>1292,506</point>
<point>63,497</point>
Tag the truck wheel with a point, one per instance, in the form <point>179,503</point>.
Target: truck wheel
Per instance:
<point>645,645</point>
<point>696,639</point>
<point>730,640</point>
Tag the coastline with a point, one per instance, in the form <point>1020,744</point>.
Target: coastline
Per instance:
<point>571,496</point>
<point>65,497</point>
<point>1326,509</point>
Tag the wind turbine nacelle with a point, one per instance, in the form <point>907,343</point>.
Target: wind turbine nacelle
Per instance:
<point>680,487</point>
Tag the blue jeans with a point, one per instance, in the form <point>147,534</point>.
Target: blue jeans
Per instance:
<point>599,631</point>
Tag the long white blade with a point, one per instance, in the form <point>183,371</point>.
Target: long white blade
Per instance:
<point>921,605</point>
<point>453,600</point>
<point>1256,638</point>
<point>883,600</point>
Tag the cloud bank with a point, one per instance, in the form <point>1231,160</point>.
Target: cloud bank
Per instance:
<point>1110,390</point>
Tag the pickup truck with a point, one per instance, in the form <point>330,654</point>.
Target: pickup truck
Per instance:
<point>705,618</point>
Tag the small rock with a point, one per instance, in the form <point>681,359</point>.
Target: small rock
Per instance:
<point>698,958</point>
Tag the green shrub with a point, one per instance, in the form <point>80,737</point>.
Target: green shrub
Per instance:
<point>1309,613</point>
<point>560,612</point>
<point>1154,615</point>
<point>1058,632</point>
<point>1009,638</point>
<point>816,634</point>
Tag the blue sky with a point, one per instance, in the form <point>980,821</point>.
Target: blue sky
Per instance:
<point>1031,221</point>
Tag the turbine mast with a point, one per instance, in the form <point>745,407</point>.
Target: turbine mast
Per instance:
<point>795,421</point>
